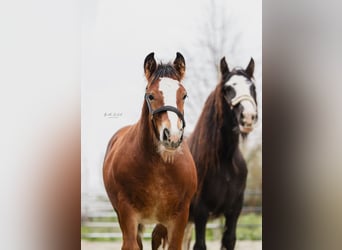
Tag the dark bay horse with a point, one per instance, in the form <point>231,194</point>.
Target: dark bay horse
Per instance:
<point>148,170</point>
<point>230,110</point>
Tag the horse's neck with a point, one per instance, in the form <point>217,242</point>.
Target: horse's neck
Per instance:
<point>229,136</point>
<point>144,133</point>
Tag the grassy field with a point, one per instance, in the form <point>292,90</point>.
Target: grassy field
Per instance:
<point>250,227</point>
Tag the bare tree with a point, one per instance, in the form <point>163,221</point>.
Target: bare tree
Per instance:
<point>217,37</point>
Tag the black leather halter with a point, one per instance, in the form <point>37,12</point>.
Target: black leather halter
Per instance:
<point>163,109</point>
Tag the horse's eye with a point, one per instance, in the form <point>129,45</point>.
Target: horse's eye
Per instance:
<point>234,84</point>
<point>229,88</point>
<point>150,97</point>
<point>185,96</point>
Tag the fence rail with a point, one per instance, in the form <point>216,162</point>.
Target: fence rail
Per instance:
<point>99,221</point>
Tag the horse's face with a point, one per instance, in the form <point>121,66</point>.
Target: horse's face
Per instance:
<point>168,92</point>
<point>239,92</point>
<point>165,97</point>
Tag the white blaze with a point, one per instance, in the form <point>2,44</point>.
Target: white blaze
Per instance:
<point>241,85</point>
<point>249,108</point>
<point>169,88</point>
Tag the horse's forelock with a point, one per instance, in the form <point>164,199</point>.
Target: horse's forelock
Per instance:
<point>164,70</point>
<point>237,71</point>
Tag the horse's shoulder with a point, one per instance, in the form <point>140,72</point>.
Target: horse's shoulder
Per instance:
<point>117,135</point>
<point>122,131</point>
<point>115,140</point>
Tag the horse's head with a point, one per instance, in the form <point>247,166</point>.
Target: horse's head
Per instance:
<point>165,97</point>
<point>239,92</point>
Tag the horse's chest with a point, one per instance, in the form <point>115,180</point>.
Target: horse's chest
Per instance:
<point>163,194</point>
<point>220,186</point>
<point>221,190</point>
<point>160,203</point>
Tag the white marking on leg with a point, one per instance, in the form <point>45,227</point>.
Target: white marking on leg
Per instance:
<point>187,236</point>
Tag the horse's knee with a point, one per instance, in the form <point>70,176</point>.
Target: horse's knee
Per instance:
<point>130,247</point>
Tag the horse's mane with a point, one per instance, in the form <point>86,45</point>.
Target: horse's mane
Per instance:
<point>206,139</point>
<point>206,142</point>
<point>236,71</point>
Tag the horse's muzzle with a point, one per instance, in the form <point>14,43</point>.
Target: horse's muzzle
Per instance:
<point>171,142</point>
<point>248,119</point>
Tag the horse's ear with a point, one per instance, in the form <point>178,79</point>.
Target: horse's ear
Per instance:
<point>150,65</point>
<point>224,67</point>
<point>250,68</point>
<point>179,65</point>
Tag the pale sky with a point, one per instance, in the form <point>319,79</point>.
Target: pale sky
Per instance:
<point>117,36</point>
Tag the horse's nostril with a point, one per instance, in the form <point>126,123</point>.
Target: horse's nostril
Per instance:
<point>166,134</point>
<point>253,117</point>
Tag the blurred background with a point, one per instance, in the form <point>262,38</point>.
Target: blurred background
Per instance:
<point>116,37</point>
<point>42,65</point>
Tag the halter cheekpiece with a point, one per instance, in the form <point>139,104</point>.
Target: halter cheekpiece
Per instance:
<point>164,109</point>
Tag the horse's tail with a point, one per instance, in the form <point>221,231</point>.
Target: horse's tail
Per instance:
<point>159,237</point>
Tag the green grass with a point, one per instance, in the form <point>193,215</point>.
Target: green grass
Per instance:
<point>249,229</point>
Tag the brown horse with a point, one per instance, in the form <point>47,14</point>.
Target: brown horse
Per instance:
<point>148,171</point>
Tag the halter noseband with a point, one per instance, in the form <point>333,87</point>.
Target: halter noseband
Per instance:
<point>163,109</point>
<point>240,98</point>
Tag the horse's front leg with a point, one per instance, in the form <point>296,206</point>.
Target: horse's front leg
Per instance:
<point>176,229</point>
<point>129,227</point>
<point>187,236</point>
<point>201,216</point>
<point>229,234</point>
